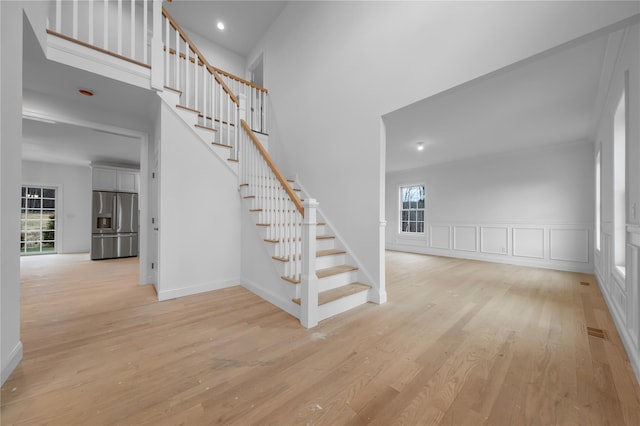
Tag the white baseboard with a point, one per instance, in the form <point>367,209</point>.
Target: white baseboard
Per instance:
<point>14,359</point>
<point>286,305</point>
<point>627,341</point>
<point>586,268</point>
<point>196,289</point>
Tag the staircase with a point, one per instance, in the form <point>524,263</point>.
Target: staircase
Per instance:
<point>310,264</point>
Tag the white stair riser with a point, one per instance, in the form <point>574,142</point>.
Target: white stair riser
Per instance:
<point>209,136</point>
<point>323,262</point>
<point>342,305</point>
<point>325,244</point>
<point>338,280</point>
<point>191,118</point>
<point>172,98</point>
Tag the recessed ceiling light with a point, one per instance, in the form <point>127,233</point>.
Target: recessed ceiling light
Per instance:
<point>220,25</point>
<point>85,92</point>
<point>420,146</point>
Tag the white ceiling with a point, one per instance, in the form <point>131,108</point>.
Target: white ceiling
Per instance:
<point>546,100</point>
<point>245,21</point>
<point>51,89</point>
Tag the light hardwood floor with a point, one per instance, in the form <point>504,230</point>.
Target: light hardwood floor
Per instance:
<point>459,343</point>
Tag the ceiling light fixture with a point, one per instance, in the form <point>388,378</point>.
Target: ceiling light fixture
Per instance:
<point>220,25</point>
<point>420,146</point>
<point>86,92</point>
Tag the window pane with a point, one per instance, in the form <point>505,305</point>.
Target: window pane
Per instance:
<point>33,246</point>
<point>405,226</point>
<point>420,227</point>
<point>34,192</point>
<point>48,204</point>
<point>48,193</point>
<point>412,216</point>
<point>33,224</point>
<point>23,203</point>
<point>405,215</point>
<point>405,204</point>
<point>24,191</point>
<point>33,203</point>
<point>421,215</point>
<point>412,227</point>
<point>48,235</point>
<point>49,214</point>
<point>421,204</point>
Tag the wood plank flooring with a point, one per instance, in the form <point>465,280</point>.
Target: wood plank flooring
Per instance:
<point>458,343</point>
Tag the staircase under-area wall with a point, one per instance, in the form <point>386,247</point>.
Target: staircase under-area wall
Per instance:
<point>288,252</point>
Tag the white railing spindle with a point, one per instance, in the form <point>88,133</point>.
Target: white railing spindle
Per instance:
<point>145,30</point>
<point>133,29</point>
<point>105,13</point>
<point>119,34</point>
<point>75,19</point>
<point>58,16</point>
<point>91,18</point>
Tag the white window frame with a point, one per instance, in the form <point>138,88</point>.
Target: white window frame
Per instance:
<point>24,221</point>
<point>402,209</point>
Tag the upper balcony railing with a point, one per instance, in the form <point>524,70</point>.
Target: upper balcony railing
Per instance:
<point>125,29</point>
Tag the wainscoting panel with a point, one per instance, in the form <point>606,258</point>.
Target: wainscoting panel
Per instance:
<point>570,245</point>
<point>494,240</point>
<point>440,237</point>
<point>465,238</point>
<point>528,242</point>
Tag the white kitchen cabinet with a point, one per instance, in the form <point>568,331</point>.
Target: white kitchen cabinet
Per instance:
<point>115,179</point>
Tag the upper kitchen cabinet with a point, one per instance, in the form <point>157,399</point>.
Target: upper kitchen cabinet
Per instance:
<point>115,179</point>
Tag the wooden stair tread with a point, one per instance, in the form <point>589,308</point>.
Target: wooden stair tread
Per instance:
<point>173,89</point>
<point>331,252</point>
<point>200,126</point>
<point>233,160</point>
<point>324,237</point>
<point>338,293</point>
<point>335,270</point>
<point>225,146</point>
<point>188,109</point>
<point>291,280</point>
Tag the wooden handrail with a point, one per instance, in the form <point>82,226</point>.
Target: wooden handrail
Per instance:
<point>172,51</point>
<point>201,57</point>
<point>283,181</point>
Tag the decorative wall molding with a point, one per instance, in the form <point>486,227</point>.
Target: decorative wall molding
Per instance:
<point>465,238</point>
<point>494,240</point>
<point>554,246</point>
<point>528,242</point>
<point>571,245</point>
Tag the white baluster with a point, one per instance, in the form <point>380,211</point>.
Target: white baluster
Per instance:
<point>196,94</point>
<point>167,47</point>
<point>187,54</point>
<point>105,13</point>
<point>91,17</point>
<point>119,45</point>
<point>75,19</point>
<point>133,29</point>
<point>177,73</point>
<point>58,16</point>
<point>145,16</point>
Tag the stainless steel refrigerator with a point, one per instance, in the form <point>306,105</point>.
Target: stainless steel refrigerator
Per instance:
<point>115,225</point>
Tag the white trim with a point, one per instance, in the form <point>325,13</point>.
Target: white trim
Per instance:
<point>286,305</point>
<point>196,289</point>
<point>13,360</point>
<point>627,339</point>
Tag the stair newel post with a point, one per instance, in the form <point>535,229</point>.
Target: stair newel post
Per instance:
<point>157,50</point>
<point>309,280</point>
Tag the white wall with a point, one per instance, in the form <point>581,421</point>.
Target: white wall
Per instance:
<point>622,293</point>
<point>10,176</point>
<point>217,55</point>
<point>74,201</point>
<point>199,214</point>
<point>531,208</point>
<point>334,68</point>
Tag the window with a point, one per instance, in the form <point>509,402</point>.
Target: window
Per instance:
<point>412,209</point>
<point>38,220</point>
<point>598,166</point>
<point>619,185</point>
